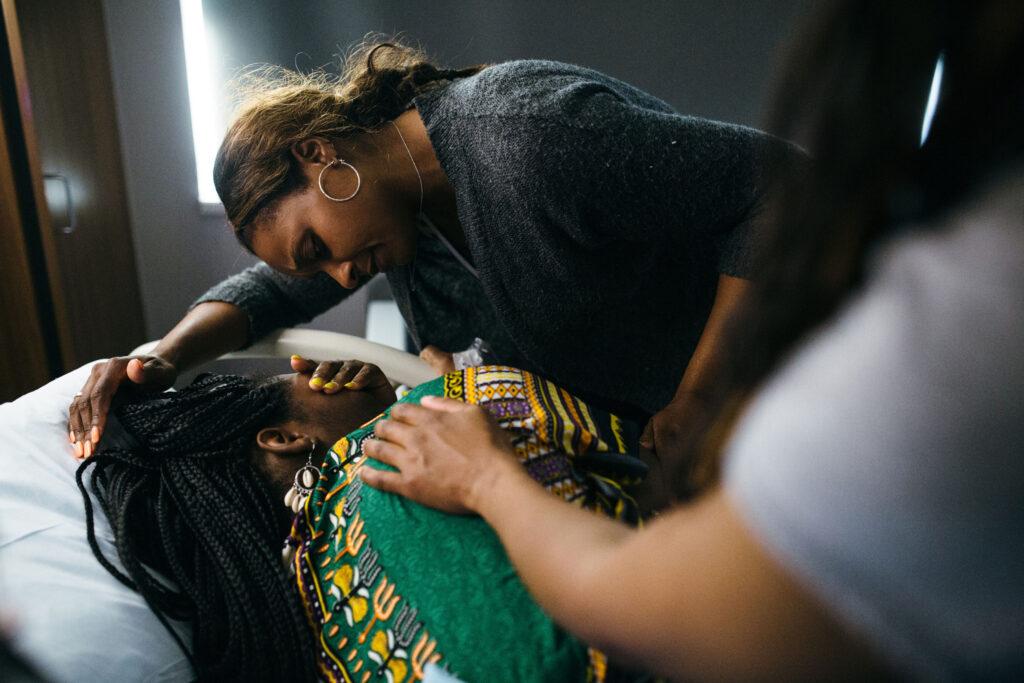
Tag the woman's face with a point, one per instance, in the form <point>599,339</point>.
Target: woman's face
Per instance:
<point>306,233</point>
<point>328,417</point>
<point>283,448</point>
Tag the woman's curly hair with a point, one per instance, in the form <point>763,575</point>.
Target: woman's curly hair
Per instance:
<point>280,107</point>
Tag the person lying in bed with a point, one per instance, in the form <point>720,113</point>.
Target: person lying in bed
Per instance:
<point>200,486</point>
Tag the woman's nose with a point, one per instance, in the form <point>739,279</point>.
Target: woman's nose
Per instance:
<point>344,274</point>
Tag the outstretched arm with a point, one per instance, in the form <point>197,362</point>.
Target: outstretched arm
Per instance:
<point>691,595</point>
<point>229,316</point>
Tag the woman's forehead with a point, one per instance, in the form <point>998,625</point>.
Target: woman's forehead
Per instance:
<point>282,214</point>
<point>273,241</point>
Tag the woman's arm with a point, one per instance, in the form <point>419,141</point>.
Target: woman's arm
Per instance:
<point>273,300</point>
<point>206,332</point>
<point>692,595</point>
<point>670,432</point>
<point>229,316</point>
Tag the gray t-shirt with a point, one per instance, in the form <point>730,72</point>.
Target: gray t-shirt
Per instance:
<point>884,463</point>
<point>597,217</point>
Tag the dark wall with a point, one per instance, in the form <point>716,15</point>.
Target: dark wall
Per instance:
<point>709,58</point>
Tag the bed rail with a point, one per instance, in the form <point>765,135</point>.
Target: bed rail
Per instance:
<point>399,366</point>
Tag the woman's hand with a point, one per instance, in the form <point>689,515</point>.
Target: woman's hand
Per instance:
<point>330,377</point>
<point>440,361</point>
<point>448,454</point>
<point>671,435</point>
<point>87,414</point>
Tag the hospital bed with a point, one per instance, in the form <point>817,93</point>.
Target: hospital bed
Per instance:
<point>71,618</point>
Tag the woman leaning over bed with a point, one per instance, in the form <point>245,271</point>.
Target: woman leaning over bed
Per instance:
<point>870,516</point>
<point>569,219</point>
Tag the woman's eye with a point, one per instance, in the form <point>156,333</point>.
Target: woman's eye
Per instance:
<point>320,251</point>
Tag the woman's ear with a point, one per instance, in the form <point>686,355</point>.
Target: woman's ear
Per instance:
<point>314,151</point>
<point>283,442</point>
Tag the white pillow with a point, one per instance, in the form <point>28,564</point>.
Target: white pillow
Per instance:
<point>71,618</point>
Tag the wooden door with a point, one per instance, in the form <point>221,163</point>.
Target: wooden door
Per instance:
<point>80,154</point>
<point>32,335</point>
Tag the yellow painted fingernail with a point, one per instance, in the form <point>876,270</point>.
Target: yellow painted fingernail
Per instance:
<point>296,357</point>
<point>95,434</point>
<point>350,385</point>
<point>330,386</point>
<point>88,448</point>
<point>317,382</point>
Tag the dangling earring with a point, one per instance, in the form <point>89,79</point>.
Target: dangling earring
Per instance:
<point>305,479</point>
<point>320,180</point>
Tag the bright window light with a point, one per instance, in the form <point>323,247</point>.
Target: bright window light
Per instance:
<point>933,97</point>
<point>207,126</point>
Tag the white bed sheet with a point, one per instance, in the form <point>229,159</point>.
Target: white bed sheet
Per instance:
<point>71,618</point>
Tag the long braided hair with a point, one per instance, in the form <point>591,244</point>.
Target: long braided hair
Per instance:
<point>196,527</point>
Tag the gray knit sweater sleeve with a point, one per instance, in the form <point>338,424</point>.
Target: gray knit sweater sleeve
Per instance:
<point>273,300</point>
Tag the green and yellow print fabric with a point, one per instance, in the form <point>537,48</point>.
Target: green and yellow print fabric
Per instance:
<point>389,585</point>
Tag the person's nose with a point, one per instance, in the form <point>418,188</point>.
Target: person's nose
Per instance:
<point>344,274</point>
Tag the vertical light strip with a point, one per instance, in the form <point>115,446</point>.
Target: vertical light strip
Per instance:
<point>206,132</point>
<point>933,97</point>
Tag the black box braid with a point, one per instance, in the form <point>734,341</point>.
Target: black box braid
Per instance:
<point>196,528</point>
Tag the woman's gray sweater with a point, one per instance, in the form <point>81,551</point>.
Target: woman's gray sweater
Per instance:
<point>597,217</point>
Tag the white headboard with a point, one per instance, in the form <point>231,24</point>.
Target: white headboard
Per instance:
<point>399,366</point>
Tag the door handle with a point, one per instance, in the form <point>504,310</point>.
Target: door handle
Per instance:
<point>69,205</point>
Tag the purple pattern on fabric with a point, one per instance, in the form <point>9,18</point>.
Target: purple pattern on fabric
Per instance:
<point>546,470</point>
<point>504,409</point>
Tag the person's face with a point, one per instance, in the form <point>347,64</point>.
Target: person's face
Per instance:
<point>324,418</point>
<point>306,233</point>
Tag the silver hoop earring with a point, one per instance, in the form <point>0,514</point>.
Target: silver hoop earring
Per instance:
<point>320,180</point>
<point>305,479</point>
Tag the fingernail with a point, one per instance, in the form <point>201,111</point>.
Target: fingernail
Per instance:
<point>71,437</point>
<point>95,434</point>
<point>317,382</point>
<point>296,357</point>
<point>350,385</point>
<point>78,449</point>
<point>331,386</point>
<point>88,449</point>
